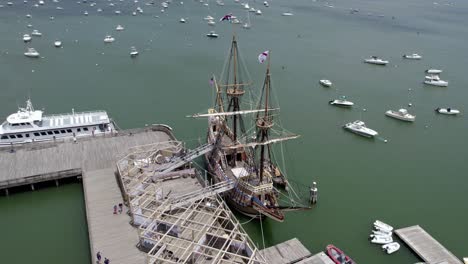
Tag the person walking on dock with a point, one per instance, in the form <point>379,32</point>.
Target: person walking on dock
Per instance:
<point>115,209</point>
<point>106,261</point>
<point>98,257</point>
<point>120,208</point>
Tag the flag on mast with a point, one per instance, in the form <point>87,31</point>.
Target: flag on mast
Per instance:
<point>263,56</point>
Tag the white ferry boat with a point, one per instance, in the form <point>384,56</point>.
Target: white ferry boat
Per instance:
<point>29,125</point>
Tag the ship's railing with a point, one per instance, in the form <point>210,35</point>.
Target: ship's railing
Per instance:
<point>75,113</point>
<point>257,189</point>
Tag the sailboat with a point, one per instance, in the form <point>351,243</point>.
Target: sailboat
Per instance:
<point>240,158</point>
<point>248,24</point>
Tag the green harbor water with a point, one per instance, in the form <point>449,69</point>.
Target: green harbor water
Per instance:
<point>418,177</point>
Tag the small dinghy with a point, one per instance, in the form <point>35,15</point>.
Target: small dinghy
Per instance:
<point>26,38</point>
<point>391,247</point>
<point>326,83</point>
<point>182,20</point>
<point>109,39</point>
<point>212,34</point>
<point>382,233</point>
<point>381,239</point>
<point>57,43</point>
<point>133,52</point>
<point>119,28</point>
<point>338,256</point>
<point>447,111</point>
<point>383,226</point>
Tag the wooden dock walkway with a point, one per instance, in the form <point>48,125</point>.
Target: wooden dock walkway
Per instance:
<point>110,234</point>
<point>38,162</point>
<point>429,249</point>
<point>292,251</point>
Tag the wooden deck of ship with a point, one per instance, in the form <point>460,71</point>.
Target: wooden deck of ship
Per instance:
<point>427,247</point>
<point>293,251</point>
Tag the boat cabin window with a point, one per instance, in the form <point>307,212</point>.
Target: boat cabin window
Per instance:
<point>85,128</point>
<point>78,130</point>
<point>43,133</point>
<point>62,131</point>
<point>27,135</point>
<point>4,137</point>
<point>56,132</point>
<point>50,133</point>
<point>37,134</point>
<point>12,136</point>
<point>69,130</point>
<point>19,136</point>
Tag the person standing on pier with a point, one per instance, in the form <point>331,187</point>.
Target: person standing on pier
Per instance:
<point>115,209</point>
<point>120,208</point>
<point>98,256</point>
<point>106,261</point>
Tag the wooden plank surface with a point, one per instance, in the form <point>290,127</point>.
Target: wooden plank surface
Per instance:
<point>110,234</point>
<point>429,249</point>
<point>85,154</point>
<point>289,251</point>
<point>319,258</point>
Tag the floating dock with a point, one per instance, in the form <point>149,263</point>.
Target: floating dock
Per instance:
<point>292,251</point>
<point>429,249</point>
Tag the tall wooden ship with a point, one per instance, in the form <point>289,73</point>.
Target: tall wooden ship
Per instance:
<point>242,155</point>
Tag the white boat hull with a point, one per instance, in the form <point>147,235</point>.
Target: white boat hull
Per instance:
<point>436,83</point>
<point>393,114</point>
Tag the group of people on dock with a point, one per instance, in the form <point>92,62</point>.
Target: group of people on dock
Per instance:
<point>99,257</point>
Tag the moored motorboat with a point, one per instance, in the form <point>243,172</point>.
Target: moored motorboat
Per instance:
<point>447,111</point>
<point>435,80</point>
<point>31,53</point>
<point>57,43</point>
<point>382,233</point>
<point>326,83</point>
<point>287,14</point>
<point>433,71</point>
<point>258,12</point>
<point>182,20</point>
<point>359,127</point>
<point>383,226</point>
<point>109,39</point>
<point>133,52</point>
<point>119,28</point>
<point>376,60</point>
<point>212,34</point>
<point>27,38</point>
<point>381,239</point>
<point>391,247</point>
<point>36,33</point>
<point>208,18</point>
<point>338,256</point>
<point>413,56</point>
<point>341,102</point>
<point>211,22</point>
<point>401,114</point>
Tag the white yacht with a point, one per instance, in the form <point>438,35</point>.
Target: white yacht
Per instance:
<point>391,247</point>
<point>341,102</point>
<point>401,114</point>
<point>85,13</point>
<point>109,39</point>
<point>211,22</point>
<point>413,56</point>
<point>447,111</point>
<point>433,71</point>
<point>252,10</point>
<point>133,52</point>
<point>359,127</point>
<point>36,33</point>
<point>208,18</point>
<point>182,20</point>
<point>326,83</point>
<point>381,239</point>
<point>119,28</point>
<point>246,6</point>
<point>57,43</point>
<point>28,125</point>
<point>265,3</point>
<point>258,12</point>
<point>117,12</point>
<point>435,81</point>
<point>41,2</point>
<point>376,60</point>
<point>28,15</point>
<point>383,226</point>
<point>212,34</point>
<point>31,53</point>
<point>287,14</point>
<point>27,38</point>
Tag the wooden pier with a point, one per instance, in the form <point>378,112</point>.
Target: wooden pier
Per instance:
<point>292,251</point>
<point>429,249</point>
<point>39,162</point>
